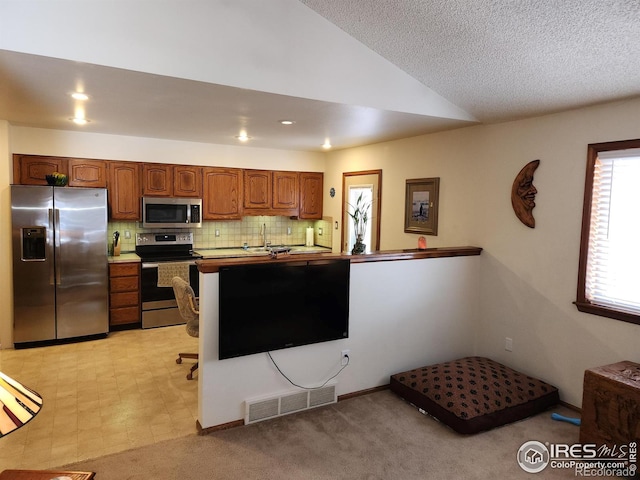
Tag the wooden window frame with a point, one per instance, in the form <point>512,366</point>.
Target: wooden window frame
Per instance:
<point>582,303</point>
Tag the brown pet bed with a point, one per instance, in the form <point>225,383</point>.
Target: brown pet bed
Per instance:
<point>473,394</point>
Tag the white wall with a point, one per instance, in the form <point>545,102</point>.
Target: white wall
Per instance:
<point>452,156</point>
<point>402,315</point>
<point>112,147</point>
<point>41,141</point>
<point>6,294</point>
<point>528,276</point>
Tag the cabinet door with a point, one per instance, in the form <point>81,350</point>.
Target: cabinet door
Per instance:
<point>286,192</point>
<point>124,190</point>
<point>187,181</point>
<point>124,293</point>
<point>157,180</point>
<point>87,173</point>
<point>222,198</point>
<point>311,195</point>
<point>257,189</point>
<point>32,169</point>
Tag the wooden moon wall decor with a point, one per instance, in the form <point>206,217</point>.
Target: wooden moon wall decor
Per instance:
<point>523,194</point>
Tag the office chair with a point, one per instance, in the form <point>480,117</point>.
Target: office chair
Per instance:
<point>189,311</point>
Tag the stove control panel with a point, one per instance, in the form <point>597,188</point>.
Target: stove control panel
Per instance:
<point>181,238</point>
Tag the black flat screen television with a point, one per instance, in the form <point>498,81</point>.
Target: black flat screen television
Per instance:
<point>264,307</point>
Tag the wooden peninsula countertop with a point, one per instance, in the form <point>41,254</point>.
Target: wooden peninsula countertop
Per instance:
<point>213,265</point>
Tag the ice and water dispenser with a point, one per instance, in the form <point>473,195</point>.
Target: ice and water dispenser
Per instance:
<point>34,241</point>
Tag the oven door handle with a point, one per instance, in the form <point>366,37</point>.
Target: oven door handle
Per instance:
<point>155,265</point>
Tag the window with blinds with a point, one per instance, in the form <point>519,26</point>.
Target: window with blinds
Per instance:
<point>609,274</point>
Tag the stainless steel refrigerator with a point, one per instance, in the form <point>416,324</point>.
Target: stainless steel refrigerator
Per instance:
<point>60,269</point>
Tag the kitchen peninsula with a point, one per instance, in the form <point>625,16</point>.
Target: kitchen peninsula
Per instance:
<point>136,298</point>
<point>406,308</point>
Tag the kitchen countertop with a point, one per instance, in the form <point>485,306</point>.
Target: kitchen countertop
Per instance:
<point>211,253</point>
<point>124,257</point>
<point>212,265</point>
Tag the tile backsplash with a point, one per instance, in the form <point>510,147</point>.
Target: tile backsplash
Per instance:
<point>225,234</point>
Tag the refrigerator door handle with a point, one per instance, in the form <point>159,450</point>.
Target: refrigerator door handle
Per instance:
<point>50,240</point>
<point>56,246</point>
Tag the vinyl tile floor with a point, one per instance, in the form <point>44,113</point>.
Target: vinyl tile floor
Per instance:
<point>102,396</point>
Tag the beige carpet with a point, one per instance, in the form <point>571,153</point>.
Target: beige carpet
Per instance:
<point>376,436</point>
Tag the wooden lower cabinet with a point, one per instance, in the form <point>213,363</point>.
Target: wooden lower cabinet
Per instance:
<point>124,293</point>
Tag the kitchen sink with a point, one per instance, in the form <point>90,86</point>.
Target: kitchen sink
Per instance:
<point>261,251</point>
<point>269,249</point>
<point>256,250</point>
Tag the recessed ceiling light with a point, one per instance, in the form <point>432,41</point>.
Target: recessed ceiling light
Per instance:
<point>326,145</point>
<point>243,137</point>
<point>287,122</point>
<point>79,120</point>
<point>79,96</point>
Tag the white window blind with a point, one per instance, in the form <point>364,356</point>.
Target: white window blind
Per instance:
<point>613,261</point>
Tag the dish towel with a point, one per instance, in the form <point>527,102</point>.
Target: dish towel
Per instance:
<point>166,272</point>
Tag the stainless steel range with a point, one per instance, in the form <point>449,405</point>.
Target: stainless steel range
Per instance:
<point>164,255</point>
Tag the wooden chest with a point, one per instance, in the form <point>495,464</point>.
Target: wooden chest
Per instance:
<point>611,404</point>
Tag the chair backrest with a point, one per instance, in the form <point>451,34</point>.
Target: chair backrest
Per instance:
<point>186,299</point>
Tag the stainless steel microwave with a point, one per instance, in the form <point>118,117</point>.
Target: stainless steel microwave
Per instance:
<point>171,212</point>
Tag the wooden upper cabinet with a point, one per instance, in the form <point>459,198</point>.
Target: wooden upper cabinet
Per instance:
<point>32,169</point>
<point>285,190</point>
<point>187,181</point>
<point>164,180</point>
<point>311,184</point>
<point>227,193</point>
<point>257,189</point>
<point>269,192</point>
<point>124,190</point>
<point>222,199</point>
<point>157,180</point>
<point>87,173</point>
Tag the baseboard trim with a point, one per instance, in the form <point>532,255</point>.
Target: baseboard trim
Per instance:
<point>360,393</point>
<point>217,428</point>
<point>571,407</point>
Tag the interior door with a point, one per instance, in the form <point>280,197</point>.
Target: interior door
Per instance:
<point>369,184</point>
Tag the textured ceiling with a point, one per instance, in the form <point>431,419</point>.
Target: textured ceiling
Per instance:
<point>503,59</point>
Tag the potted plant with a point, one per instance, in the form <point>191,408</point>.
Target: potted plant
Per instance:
<point>360,217</point>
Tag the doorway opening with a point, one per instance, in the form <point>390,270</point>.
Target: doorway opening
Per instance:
<point>368,184</point>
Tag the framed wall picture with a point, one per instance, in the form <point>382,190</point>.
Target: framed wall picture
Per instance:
<point>421,206</point>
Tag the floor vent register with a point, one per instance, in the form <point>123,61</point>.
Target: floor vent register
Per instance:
<point>275,406</point>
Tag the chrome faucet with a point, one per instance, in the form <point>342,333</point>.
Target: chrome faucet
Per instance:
<point>264,235</point>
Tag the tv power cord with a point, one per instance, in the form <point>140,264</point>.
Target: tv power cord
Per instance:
<point>308,388</point>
